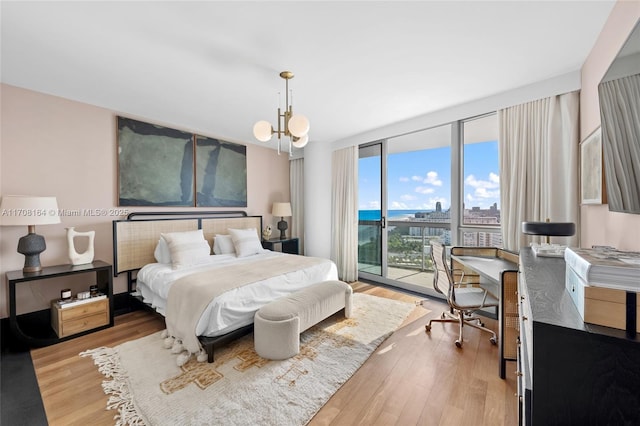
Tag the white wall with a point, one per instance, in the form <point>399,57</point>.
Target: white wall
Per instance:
<point>599,226</point>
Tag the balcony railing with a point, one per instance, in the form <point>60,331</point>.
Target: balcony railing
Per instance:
<point>409,245</point>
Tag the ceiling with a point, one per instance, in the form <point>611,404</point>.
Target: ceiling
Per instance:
<point>213,67</point>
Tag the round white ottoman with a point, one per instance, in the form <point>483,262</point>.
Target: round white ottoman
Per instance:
<point>278,324</point>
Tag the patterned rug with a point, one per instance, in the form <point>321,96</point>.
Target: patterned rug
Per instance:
<point>146,386</point>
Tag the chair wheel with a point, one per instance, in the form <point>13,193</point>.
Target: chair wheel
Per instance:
<point>458,343</point>
<point>442,315</point>
<point>427,328</point>
<point>493,341</point>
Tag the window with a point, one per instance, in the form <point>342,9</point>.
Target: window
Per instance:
<point>481,182</point>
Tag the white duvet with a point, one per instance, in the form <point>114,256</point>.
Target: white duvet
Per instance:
<point>236,307</point>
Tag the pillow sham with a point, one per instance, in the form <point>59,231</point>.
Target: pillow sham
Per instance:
<point>187,248</point>
<point>223,244</point>
<point>162,253</point>
<point>245,241</point>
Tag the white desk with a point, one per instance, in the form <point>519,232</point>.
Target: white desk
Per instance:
<point>495,267</point>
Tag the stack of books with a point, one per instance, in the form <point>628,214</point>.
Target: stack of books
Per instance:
<point>604,285</point>
<point>605,267</point>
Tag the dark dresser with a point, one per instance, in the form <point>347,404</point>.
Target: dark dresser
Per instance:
<point>570,372</point>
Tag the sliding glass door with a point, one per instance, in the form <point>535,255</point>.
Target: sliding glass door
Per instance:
<point>404,204</point>
<point>371,210</point>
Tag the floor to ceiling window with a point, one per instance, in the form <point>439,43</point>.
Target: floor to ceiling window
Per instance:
<point>481,183</point>
<point>404,203</point>
<point>436,184</point>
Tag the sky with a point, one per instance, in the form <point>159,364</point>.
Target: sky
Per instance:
<point>419,179</point>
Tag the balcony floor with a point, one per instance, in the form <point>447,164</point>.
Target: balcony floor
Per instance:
<point>414,277</point>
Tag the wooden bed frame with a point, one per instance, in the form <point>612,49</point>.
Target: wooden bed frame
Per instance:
<point>135,239</point>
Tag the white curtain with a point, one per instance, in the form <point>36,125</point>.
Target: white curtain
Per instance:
<point>296,187</point>
<point>344,212</point>
<point>539,166</point>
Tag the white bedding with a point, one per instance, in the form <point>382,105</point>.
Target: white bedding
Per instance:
<point>234,308</point>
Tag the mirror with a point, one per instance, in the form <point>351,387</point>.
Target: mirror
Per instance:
<point>619,97</point>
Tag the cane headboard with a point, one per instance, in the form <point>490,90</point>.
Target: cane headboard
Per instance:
<point>135,238</point>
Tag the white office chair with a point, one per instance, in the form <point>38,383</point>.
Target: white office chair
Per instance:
<point>463,299</point>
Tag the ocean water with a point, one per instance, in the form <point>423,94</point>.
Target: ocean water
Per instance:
<point>392,214</point>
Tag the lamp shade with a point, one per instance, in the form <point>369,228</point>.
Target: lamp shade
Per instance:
<point>281,209</point>
<point>301,142</point>
<point>262,130</point>
<point>20,210</point>
<point>298,125</point>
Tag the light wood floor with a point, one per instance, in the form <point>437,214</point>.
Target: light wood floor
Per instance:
<point>412,379</point>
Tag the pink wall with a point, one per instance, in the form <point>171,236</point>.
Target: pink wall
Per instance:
<point>598,224</point>
<point>52,146</point>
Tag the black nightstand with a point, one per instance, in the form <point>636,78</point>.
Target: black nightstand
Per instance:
<point>36,329</point>
<point>288,245</point>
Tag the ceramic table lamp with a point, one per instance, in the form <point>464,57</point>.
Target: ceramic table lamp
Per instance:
<point>20,210</point>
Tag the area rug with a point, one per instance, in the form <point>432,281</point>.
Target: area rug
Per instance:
<point>146,386</point>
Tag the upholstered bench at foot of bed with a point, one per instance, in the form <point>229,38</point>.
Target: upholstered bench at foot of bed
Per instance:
<point>277,325</point>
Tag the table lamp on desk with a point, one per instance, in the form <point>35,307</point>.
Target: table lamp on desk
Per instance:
<point>549,229</point>
<point>21,210</point>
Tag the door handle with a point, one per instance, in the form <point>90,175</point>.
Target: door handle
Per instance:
<point>383,221</point>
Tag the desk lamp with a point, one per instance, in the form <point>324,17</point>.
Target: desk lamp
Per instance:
<point>549,229</point>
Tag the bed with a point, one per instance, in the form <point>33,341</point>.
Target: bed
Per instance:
<point>238,283</point>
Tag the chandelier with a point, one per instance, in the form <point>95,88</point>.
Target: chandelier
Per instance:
<point>296,127</point>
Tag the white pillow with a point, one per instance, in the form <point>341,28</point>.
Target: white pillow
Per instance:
<point>245,241</point>
<point>162,253</point>
<point>223,244</point>
<point>187,248</point>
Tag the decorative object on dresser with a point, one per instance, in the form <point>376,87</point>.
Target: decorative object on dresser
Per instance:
<point>87,255</point>
<point>296,127</point>
<point>21,210</point>
<point>144,382</point>
<point>283,210</point>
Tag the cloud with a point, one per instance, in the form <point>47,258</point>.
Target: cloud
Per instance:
<point>403,179</point>
<point>483,193</point>
<point>408,197</point>
<point>432,178</point>
<point>425,190</point>
<point>492,183</point>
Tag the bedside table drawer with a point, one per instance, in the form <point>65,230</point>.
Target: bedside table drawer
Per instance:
<point>76,319</point>
<point>83,310</point>
<point>79,325</point>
